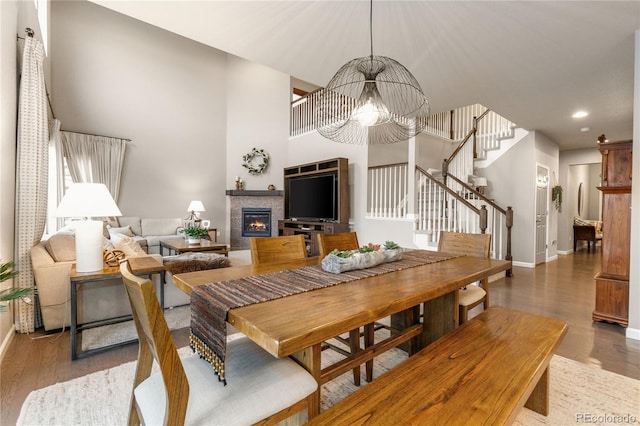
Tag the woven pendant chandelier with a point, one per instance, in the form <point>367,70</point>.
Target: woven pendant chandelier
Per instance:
<point>372,100</point>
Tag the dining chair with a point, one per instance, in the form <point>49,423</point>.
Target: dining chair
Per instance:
<point>478,245</point>
<point>277,249</point>
<point>342,241</point>
<point>349,241</point>
<point>260,387</point>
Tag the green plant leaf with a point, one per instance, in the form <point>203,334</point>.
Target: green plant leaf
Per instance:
<point>7,272</point>
<point>14,293</point>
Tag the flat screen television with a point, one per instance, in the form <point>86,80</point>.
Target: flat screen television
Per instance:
<point>313,198</point>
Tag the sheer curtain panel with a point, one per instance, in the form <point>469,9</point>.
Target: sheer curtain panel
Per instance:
<point>32,156</point>
<point>94,159</point>
<point>56,177</point>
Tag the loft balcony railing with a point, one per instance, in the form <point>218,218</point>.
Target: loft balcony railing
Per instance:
<point>454,125</point>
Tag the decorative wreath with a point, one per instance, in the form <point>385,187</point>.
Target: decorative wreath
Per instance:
<point>256,161</point>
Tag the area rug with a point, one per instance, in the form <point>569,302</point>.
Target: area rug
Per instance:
<point>93,338</point>
<point>579,394</point>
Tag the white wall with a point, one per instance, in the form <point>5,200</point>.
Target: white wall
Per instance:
<point>517,166</point>
<point>257,117</point>
<point>113,75</point>
<point>593,203</point>
<point>578,174</point>
<point>633,330</point>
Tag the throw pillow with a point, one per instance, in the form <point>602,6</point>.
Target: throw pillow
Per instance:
<point>581,222</point>
<point>190,262</point>
<point>125,230</point>
<point>61,247</point>
<point>127,245</point>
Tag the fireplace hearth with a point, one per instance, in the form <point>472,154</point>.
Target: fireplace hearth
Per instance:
<point>256,222</point>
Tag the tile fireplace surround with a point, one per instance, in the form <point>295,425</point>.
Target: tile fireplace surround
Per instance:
<point>273,200</point>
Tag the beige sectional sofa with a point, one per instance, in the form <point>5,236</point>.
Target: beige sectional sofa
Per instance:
<point>52,261</point>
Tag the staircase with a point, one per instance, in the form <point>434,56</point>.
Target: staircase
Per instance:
<point>443,200</point>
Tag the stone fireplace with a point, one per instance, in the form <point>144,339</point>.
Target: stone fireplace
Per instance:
<point>255,204</point>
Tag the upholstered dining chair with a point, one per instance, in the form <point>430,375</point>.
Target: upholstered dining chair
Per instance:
<point>277,249</point>
<point>478,245</point>
<point>260,387</point>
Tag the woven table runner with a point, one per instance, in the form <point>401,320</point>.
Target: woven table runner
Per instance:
<point>210,303</point>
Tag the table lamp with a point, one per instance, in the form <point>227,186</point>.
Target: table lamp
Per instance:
<point>87,200</point>
<point>480,183</point>
<point>195,207</point>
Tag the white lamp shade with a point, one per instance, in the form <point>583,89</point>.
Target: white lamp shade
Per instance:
<point>87,200</point>
<point>480,181</point>
<point>196,206</point>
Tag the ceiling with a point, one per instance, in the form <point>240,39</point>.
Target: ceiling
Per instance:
<point>534,62</point>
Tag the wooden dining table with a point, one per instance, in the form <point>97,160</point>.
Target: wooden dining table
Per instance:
<point>296,325</point>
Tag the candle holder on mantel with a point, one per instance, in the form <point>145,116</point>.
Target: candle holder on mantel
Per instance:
<point>239,184</point>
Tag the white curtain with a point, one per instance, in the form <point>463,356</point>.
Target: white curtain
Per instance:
<point>94,159</point>
<point>56,177</point>
<point>32,155</point>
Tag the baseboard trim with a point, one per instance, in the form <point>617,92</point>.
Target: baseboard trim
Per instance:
<point>633,333</point>
<point>524,264</point>
<point>7,341</point>
<point>565,252</point>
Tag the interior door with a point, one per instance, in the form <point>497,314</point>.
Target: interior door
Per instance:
<point>542,211</point>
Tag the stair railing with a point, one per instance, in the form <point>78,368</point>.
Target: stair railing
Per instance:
<point>498,221</point>
<point>388,191</point>
<point>439,207</point>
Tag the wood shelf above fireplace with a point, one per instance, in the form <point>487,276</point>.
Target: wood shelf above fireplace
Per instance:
<point>254,193</point>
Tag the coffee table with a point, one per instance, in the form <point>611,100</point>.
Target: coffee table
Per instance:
<point>178,246</point>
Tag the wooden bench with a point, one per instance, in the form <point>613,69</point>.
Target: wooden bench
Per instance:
<point>481,373</point>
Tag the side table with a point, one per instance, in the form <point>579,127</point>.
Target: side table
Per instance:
<point>144,265</point>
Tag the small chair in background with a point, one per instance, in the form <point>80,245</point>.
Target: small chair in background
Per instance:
<point>278,249</point>
<point>478,245</point>
<point>188,391</point>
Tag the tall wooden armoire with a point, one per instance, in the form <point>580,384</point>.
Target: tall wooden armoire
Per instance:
<point>612,283</point>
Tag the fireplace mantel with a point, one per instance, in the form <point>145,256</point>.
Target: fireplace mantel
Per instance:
<point>254,193</point>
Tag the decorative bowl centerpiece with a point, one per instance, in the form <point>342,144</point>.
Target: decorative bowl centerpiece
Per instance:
<point>365,257</point>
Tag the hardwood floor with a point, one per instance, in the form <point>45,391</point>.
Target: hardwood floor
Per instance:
<point>563,289</point>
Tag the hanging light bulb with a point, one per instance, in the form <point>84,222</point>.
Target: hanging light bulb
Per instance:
<point>371,110</point>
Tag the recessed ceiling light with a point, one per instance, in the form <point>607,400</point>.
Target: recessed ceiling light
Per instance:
<point>580,114</point>
<point>585,129</point>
